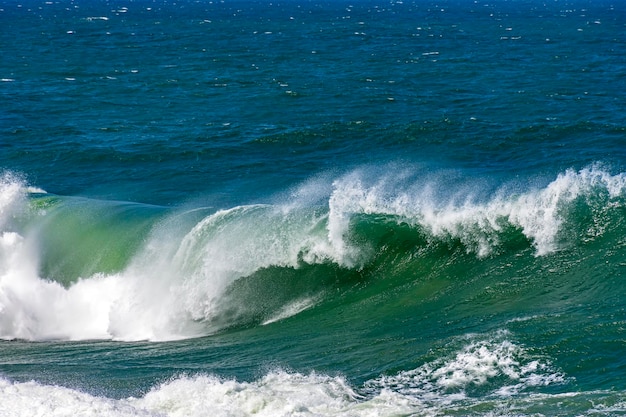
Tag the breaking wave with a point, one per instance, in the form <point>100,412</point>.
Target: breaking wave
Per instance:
<point>76,269</point>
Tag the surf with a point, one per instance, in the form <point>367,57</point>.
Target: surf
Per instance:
<point>474,375</point>
<point>77,269</point>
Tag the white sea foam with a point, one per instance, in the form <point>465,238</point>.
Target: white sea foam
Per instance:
<point>478,364</point>
<point>282,394</point>
<point>539,213</point>
<point>34,399</point>
<point>275,395</point>
<point>35,309</point>
<point>431,389</point>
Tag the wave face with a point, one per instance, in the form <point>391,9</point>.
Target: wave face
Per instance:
<point>78,269</point>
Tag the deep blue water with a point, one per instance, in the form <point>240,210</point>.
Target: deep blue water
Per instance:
<point>304,208</point>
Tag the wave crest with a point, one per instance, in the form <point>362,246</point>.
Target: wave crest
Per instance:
<point>192,273</point>
<point>540,213</point>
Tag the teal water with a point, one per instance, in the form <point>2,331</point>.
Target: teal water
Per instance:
<point>312,208</point>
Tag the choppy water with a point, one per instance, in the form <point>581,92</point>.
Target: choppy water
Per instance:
<point>312,208</point>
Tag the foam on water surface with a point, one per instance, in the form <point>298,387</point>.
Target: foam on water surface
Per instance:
<point>434,388</point>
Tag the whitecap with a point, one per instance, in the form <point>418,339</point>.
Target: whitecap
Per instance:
<point>539,213</point>
<point>434,388</point>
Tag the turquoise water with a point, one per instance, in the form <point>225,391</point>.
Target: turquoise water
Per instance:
<point>312,208</point>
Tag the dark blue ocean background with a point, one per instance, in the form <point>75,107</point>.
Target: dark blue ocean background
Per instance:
<point>311,208</point>
<point>163,102</point>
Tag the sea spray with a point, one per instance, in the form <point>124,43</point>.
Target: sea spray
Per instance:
<point>539,213</point>
<point>179,280</point>
<point>12,198</point>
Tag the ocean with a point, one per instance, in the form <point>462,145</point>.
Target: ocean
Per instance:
<point>312,208</point>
